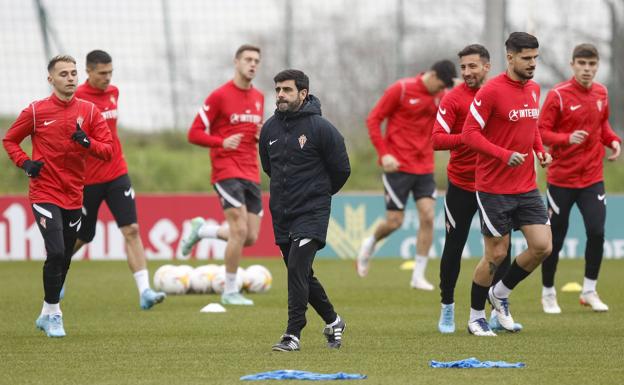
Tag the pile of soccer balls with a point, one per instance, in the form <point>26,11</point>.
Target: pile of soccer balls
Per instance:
<point>182,279</point>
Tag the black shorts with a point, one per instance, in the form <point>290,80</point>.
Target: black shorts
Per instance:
<point>236,192</point>
<point>59,228</point>
<point>398,185</point>
<point>500,213</point>
<point>119,196</point>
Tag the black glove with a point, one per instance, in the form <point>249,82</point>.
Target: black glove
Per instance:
<point>81,137</point>
<point>32,167</point>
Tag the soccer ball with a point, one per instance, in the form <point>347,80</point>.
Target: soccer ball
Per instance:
<point>201,278</point>
<point>157,280</point>
<point>218,282</point>
<point>258,279</point>
<point>176,280</point>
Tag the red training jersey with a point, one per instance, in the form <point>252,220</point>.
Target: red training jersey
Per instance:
<point>227,111</point>
<point>569,107</point>
<point>410,111</point>
<point>503,120</point>
<point>98,170</point>
<point>447,136</point>
<point>51,123</point>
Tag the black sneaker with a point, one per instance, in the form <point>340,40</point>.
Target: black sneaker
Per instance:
<point>334,334</point>
<point>289,343</point>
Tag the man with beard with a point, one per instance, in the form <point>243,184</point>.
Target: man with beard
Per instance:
<point>228,124</point>
<point>460,203</point>
<point>502,128</point>
<point>306,159</point>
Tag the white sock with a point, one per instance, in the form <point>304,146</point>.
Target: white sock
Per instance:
<point>335,322</point>
<point>208,230</point>
<point>548,291</point>
<point>51,308</point>
<point>142,280</point>
<point>476,314</point>
<point>230,283</point>
<point>589,285</point>
<point>419,267</point>
<point>501,291</point>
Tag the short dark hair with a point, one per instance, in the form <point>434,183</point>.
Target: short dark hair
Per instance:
<point>98,56</point>
<point>301,80</point>
<point>246,47</point>
<point>445,71</point>
<point>475,49</point>
<point>585,50</point>
<point>60,58</point>
<point>517,41</point>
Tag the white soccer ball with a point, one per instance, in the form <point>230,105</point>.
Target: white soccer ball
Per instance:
<point>218,282</point>
<point>176,280</point>
<point>157,280</point>
<point>259,279</point>
<point>201,278</point>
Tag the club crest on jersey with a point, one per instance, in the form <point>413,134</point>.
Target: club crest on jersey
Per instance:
<point>258,105</point>
<point>599,105</point>
<point>302,141</point>
<point>534,96</point>
<point>80,120</point>
<point>112,100</point>
<point>42,222</point>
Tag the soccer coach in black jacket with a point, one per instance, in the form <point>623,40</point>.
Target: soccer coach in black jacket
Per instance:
<point>305,157</point>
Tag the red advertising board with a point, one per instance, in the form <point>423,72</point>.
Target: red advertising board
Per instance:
<point>164,220</point>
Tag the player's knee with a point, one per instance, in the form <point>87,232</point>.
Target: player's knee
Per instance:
<point>130,232</point>
<point>251,239</point>
<point>394,222</point>
<point>595,234</point>
<point>86,235</point>
<point>238,231</point>
<point>542,249</point>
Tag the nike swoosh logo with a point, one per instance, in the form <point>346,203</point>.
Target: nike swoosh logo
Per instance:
<point>75,223</point>
<point>574,108</point>
<point>413,101</point>
<point>129,192</point>
<point>442,111</point>
<point>477,102</point>
<point>601,197</point>
<point>46,123</point>
<point>526,105</point>
<point>272,141</point>
<point>85,140</point>
<point>206,107</point>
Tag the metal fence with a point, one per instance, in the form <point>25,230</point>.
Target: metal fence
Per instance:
<point>168,55</point>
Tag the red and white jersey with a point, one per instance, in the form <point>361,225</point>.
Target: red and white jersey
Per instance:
<point>503,120</point>
<point>100,171</point>
<point>410,111</point>
<point>447,129</point>
<point>50,123</point>
<point>227,111</point>
<point>569,107</point>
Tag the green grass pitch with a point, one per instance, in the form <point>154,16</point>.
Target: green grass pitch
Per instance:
<point>391,331</point>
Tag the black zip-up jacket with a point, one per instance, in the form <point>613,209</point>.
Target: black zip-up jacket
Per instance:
<point>306,159</point>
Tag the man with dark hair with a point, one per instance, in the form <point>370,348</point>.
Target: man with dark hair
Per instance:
<point>228,123</point>
<point>406,157</point>
<point>64,131</point>
<point>460,203</point>
<point>306,159</point>
<point>109,181</point>
<point>575,124</point>
<point>502,129</point>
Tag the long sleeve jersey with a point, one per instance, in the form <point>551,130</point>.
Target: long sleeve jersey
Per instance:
<point>227,111</point>
<point>50,123</point>
<point>569,107</point>
<point>98,170</point>
<point>447,130</point>
<point>503,120</point>
<point>410,111</point>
